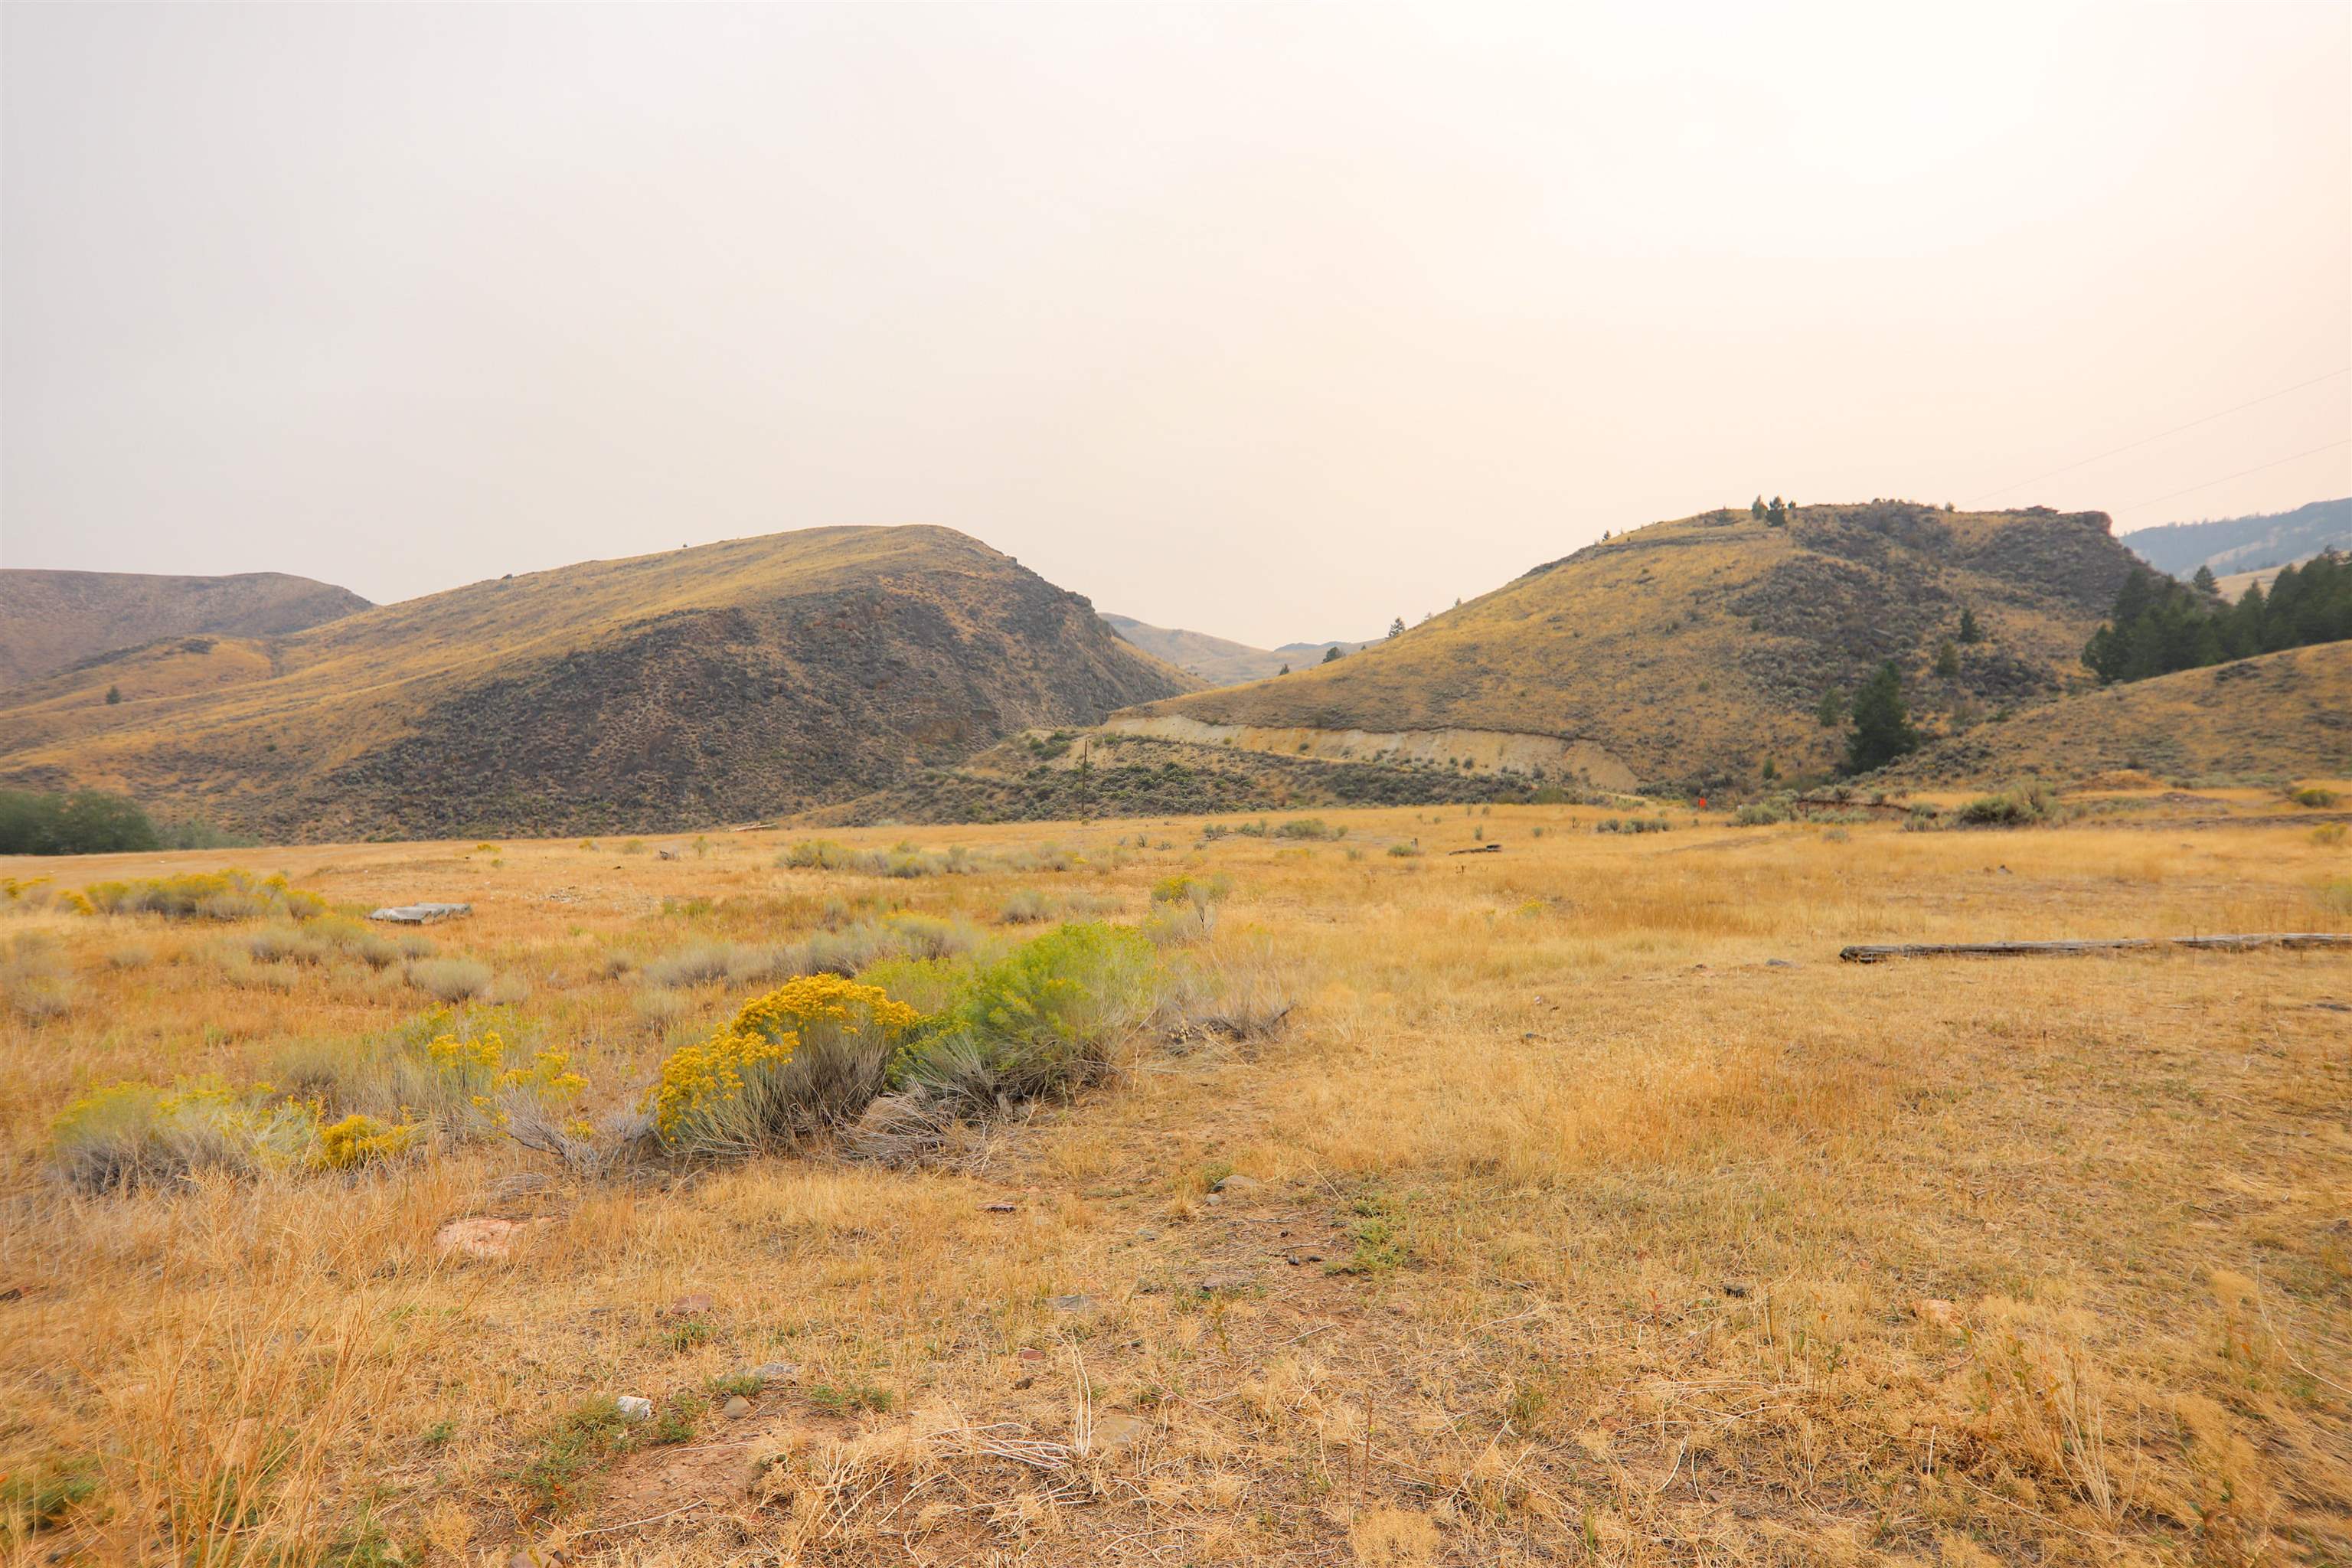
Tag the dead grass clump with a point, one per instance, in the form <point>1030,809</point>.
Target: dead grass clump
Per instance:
<point>710,962</point>
<point>450,979</point>
<point>35,978</point>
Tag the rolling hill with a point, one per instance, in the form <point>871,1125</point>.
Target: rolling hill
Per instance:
<point>2282,715</point>
<point>1691,653</point>
<point>1217,660</point>
<point>2232,545</point>
<point>693,687</point>
<point>52,620</point>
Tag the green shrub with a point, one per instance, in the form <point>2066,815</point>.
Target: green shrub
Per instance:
<point>135,1134</point>
<point>1404,851</point>
<point>1184,908</point>
<point>1309,827</point>
<point>1046,1018</point>
<point>86,822</point>
<point>1759,814</point>
<point>2021,807</point>
<point>2313,796</point>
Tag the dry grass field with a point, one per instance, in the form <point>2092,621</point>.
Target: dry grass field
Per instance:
<point>1593,1212</point>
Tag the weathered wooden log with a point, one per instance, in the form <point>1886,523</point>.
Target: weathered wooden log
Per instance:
<point>1480,850</point>
<point>1880,954</point>
<point>421,914</point>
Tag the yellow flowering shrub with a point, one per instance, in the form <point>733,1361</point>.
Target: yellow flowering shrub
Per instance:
<point>359,1140</point>
<point>811,1053</point>
<point>230,894</point>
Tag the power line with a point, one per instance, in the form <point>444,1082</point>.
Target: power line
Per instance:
<point>2177,429</point>
<point>2242,473</point>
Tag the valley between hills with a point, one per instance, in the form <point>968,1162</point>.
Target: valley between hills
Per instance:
<point>820,1050</point>
<point>863,674</point>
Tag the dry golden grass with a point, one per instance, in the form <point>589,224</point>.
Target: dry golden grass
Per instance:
<point>1615,1240</point>
<point>2278,714</point>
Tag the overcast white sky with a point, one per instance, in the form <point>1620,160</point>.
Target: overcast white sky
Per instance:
<point>1269,321</point>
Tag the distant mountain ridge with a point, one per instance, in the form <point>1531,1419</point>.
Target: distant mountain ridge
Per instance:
<point>2235,544</point>
<point>1217,660</point>
<point>52,620</point>
<point>690,687</point>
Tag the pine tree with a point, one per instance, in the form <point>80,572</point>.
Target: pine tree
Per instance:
<point>1396,628</point>
<point>1776,514</point>
<point>1881,721</point>
<point>1882,725</point>
<point>1330,653</point>
<point>1970,631</point>
<point>113,695</point>
<point>1830,709</point>
<point>1947,660</point>
<point>1284,671</point>
<point>1756,507</point>
<point>2204,582</point>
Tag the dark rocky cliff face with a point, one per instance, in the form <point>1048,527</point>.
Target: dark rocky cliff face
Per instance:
<point>706,717</point>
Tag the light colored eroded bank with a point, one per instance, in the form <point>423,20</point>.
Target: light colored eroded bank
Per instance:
<point>1484,750</point>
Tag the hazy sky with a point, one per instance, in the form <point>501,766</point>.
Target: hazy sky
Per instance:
<point>1270,322</point>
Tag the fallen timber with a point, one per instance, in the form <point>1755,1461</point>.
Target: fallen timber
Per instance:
<point>1880,954</point>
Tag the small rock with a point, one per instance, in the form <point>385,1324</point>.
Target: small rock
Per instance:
<point>1116,1430</point>
<point>1233,1280</point>
<point>665,854</point>
<point>775,1371</point>
<point>1029,1353</point>
<point>539,1556</point>
<point>1071,1303</point>
<point>633,1407</point>
<point>1779,964</point>
<point>999,1209</point>
<point>1214,1200</point>
<point>736,1408</point>
<point>1734,1289</point>
<point>691,1305</point>
<point>1296,1259</point>
<point>1024,1383</point>
<point>482,1236</point>
<point>1936,1311</point>
<point>1238,1183</point>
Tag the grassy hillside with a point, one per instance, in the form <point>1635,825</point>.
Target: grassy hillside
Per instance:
<point>1695,651</point>
<point>50,620</point>
<point>696,685</point>
<point>2284,714</point>
<point>1216,660</point>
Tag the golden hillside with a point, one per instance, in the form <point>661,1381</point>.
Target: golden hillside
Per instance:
<point>696,686</point>
<point>1693,652</point>
<point>49,620</point>
<point>2282,714</point>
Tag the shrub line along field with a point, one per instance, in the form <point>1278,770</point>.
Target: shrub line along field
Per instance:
<point>1151,1191</point>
